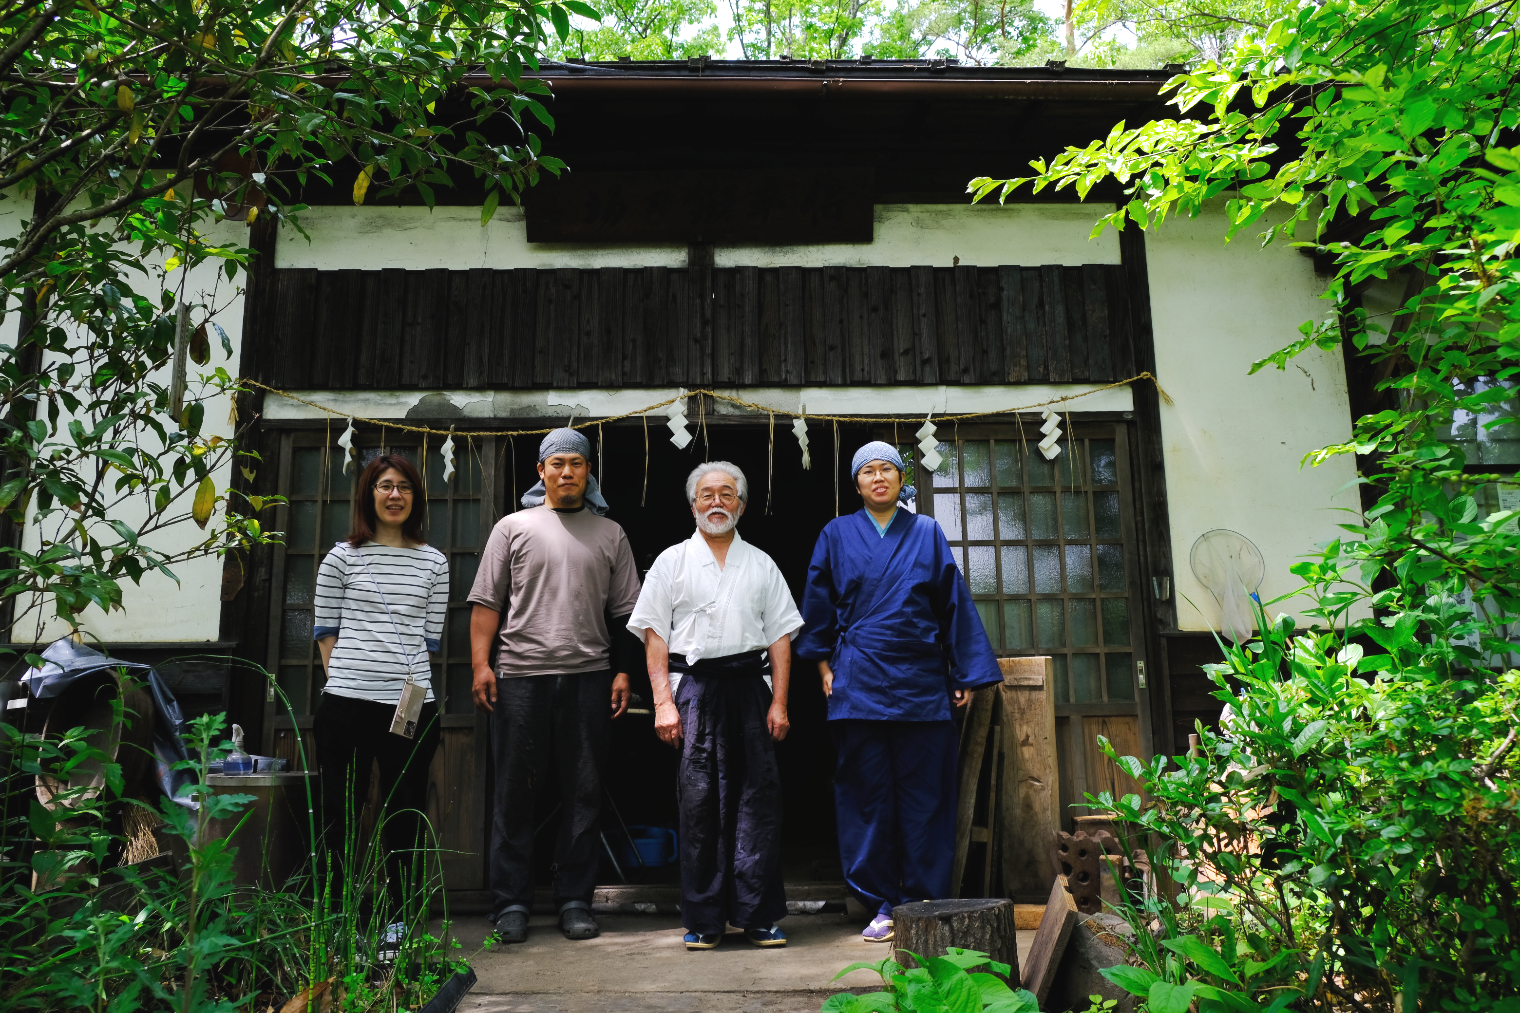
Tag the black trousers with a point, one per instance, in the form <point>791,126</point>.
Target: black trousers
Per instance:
<point>544,723</point>
<point>729,791</point>
<point>351,735</point>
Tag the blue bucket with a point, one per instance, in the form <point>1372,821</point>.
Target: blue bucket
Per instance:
<point>656,847</point>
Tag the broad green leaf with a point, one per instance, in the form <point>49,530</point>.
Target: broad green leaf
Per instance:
<point>1135,980</point>
<point>1165,997</point>
<point>1203,955</point>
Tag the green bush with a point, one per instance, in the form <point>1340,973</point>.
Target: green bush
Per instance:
<point>948,984</point>
<point>78,932</point>
<point>1349,836</point>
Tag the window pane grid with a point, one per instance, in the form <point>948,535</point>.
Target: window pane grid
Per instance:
<point>1041,548</point>
<point>319,514</point>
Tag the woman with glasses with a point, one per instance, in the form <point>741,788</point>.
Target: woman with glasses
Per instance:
<point>380,602</point>
<point>897,639</point>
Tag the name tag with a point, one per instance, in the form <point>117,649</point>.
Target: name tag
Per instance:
<point>408,710</point>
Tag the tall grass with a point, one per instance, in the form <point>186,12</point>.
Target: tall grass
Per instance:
<point>77,933</point>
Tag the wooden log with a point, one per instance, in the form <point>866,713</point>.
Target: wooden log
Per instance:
<point>929,928</point>
<point>1030,813</point>
<point>1050,942</point>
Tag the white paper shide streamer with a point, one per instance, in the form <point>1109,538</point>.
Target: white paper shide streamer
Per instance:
<point>447,450</point>
<point>677,424</point>
<point>346,441</point>
<point>799,429</point>
<point>1052,431</point>
<point>927,442</point>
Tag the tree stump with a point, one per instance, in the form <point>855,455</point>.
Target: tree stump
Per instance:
<point>929,928</point>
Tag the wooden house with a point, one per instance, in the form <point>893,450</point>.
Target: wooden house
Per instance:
<point>796,236</point>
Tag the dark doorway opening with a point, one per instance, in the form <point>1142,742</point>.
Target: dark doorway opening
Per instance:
<point>788,507</point>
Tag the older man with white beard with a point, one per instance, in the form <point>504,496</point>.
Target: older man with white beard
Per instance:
<point>717,619</point>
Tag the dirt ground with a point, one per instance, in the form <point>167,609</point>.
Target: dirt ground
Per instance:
<point>639,965</point>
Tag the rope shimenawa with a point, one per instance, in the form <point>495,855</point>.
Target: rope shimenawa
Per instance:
<point>852,419</point>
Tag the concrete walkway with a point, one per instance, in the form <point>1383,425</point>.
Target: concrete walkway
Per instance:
<point>639,965</point>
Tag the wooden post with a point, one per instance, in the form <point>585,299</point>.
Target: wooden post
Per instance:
<point>1031,804</point>
<point>972,750</point>
<point>928,928</point>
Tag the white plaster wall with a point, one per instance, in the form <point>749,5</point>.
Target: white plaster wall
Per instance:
<point>372,238</point>
<point>1233,442</point>
<point>602,403</point>
<point>160,609</point>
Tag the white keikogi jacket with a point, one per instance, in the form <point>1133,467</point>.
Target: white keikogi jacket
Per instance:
<point>702,611</point>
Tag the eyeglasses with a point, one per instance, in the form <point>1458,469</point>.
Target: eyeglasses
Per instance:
<point>885,471</point>
<point>726,497</point>
<point>386,488</point>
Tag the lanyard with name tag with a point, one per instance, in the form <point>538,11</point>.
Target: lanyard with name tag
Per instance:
<point>413,695</point>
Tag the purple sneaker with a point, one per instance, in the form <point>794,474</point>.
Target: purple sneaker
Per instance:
<point>879,931</point>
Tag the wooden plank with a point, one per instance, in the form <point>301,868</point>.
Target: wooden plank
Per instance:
<point>768,344</point>
<point>878,324</point>
<point>546,322</point>
<point>293,322</point>
<point>391,327</point>
<point>1053,299</point>
<point>904,367</point>
<point>1011,292</point>
<point>565,337</point>
<point>1100,359</point>
<point>1034,326</point>
<point>925,324</point>
<point>725,351</point>
<point>857,331</point>
<point>1102,775</point>
<point>678,337</point>
<point>834,299</point>
<point>656,325</point>
<point>610,329</point>
<point>1031,794</point>
<point>793,359</point>
<point>814,331</point>
<point>452,803</point>
<point>480,323</point>
<point>973,749</point>
<point>1076,322</point>
<point>699,291</point>
<point>747,322</point>
<point>367,314</point>
<point>1050,941</point>
<point>992,367</point>
<point>588,330</point>
<point>500,328</point>
<point>633,354</point>
<point>525,298</point>
<point>948,325</point>
<point>349,335</point>
<point>428,321</point>
<point>968,315</point>
<point>327,311</point>
<point>453,334</point>
<point>1121,326</point>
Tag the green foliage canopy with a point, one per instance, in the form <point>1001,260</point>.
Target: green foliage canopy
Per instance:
<point>127,131</point>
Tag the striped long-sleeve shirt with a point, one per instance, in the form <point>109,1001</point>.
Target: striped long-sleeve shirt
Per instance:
<point>370,660</point>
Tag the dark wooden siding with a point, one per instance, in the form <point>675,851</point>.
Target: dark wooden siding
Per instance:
<point>655,326</point>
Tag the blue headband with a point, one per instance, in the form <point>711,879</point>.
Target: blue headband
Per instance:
<point>567,441</point>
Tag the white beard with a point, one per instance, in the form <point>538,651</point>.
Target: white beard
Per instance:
<point>722,527</point>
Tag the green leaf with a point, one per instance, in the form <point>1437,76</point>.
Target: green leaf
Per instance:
<point>488,209</point>
<point>561,21</point>
<point>1165,997</point>
<point>863,965</point>
<point>1203,955</point>
<point>1135,980</point>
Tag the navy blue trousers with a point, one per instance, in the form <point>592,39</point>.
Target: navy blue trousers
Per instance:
<point>729,792</point>
<point>894,791</point>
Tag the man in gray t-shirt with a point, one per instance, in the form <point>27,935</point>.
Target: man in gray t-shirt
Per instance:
<point>550,578</point>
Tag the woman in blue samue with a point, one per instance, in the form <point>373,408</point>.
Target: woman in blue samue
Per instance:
<point>890,621</point>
